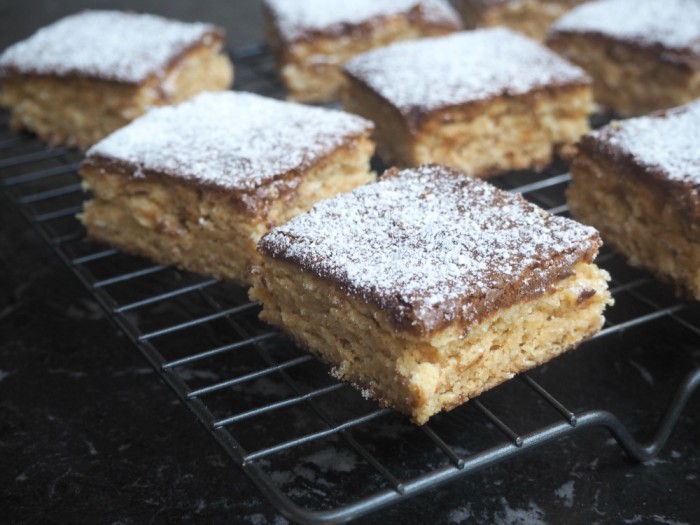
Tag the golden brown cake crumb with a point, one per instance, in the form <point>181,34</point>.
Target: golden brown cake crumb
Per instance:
<point>427,287</point>
<point>198,184</point>
<point>642,56</point>
<point>637,182</point>
<point>86,75</point>
<point>312,39</point>
<point>484,101</point>
<point>530,17</point>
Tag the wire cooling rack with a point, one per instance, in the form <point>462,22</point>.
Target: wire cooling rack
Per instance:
<point>276,411</point>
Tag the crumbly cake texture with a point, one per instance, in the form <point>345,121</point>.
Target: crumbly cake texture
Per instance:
<point>483,101</point>
<point>312,39</point>
<point>80,78</point>
<point>427,287</point>
<point>638,182</point>
<point>642,56</point>
<point>198,184</point>
<point>530,17</point>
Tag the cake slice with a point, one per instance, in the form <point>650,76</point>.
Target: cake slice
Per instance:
<point>530,17</point>
<point>427,288</point>
<point>312,39</point>
<point>642,56</point>
<point>637,181</point>
<point>198,184</point>
<point>86,75</point>
<point>484,101</point>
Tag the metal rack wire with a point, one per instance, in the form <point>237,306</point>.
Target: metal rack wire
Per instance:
<point>270,405</point>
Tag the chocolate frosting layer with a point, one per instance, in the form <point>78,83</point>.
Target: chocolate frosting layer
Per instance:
<point>108,45</point>
<point>430,246</point>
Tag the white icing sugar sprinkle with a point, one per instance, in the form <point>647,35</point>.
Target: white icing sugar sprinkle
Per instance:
<point>672,23</point>
<point>670,142</point>
<point>430,239</point>
<point>433,73</point>
<point>110,45</point>
<point>295,18</point>
<point>230,139</point>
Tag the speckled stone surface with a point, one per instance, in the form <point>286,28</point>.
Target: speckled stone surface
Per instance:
<point>88,434</point>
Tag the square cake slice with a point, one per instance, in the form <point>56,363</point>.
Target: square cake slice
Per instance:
<point>312,39</point>
<point>484,101</point>
<point>198,184</point>
<point>427,287</point>
<point>530,17</point>
<point>638,182</point>
<point>86,75</point>
<point>642,56</point>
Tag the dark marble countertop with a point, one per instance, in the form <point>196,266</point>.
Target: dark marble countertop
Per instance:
<point>89,434</point>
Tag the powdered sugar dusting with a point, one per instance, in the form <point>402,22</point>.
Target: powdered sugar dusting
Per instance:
<point>232,140</point>
<point>296,18</point>
<point>433,73</point>
<point>668,141</point>
<point>674,24</point>
<point>111,45</point>
<point>431,243</point>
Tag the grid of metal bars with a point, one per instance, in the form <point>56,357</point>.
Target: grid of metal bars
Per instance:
<point>168,314</point>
